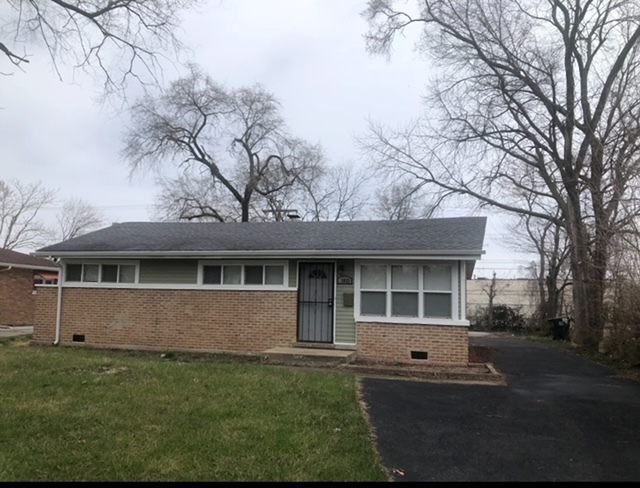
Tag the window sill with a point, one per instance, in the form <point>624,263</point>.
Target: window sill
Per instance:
<point>412,321</point>
<point>178,286</point>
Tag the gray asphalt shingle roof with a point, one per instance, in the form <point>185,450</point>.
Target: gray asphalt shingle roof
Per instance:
<point>19,260</point>
<point>448,234</point>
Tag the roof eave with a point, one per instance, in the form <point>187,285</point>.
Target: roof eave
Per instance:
<point>29,266</point>
<point>336,253</point>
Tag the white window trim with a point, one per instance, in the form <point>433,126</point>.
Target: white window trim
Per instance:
<point>99,283</point>
<point>455,290</point>
<point>242,286</point>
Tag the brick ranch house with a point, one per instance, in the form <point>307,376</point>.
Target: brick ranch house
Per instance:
<point>390,290</point>
<point>18,275</point>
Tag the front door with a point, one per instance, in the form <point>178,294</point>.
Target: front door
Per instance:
<point>315,302</point>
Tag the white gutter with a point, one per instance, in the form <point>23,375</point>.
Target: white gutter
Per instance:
<point>29,266</point>
<point>59,309</point>
<point>450,254</point>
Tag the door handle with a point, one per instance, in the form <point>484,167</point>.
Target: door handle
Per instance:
<point>330,302</point>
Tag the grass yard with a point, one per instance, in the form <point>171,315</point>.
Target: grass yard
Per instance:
<point>82,414</point>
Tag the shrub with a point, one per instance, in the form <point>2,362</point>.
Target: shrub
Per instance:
<point>505,318</point>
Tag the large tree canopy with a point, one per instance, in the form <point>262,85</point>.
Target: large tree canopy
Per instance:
<point>232,144</point>
<point>535,107</point>
<point>112,39</point>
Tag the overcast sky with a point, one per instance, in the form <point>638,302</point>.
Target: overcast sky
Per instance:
<point>309,53</point>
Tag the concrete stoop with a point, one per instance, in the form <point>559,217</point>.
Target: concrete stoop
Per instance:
<point>308,355</point>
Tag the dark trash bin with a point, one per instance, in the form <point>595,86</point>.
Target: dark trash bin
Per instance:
<point>560,326</point>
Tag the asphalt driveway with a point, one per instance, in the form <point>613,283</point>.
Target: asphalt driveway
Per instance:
<point>560,418</point>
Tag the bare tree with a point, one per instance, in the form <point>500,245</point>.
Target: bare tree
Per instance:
<point>333,193</point>
<point>113,39</point>
<point>533,97</point>
<point>77,217</point>
<point>319,193</point>
<point>193,196</point>
<point>404,200</point>
<point>237,136</point>
<point>491,293</point>
<point>551,271</point>
<point>19,207</point>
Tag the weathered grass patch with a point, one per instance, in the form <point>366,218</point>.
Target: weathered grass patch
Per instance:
<point>80,414</point>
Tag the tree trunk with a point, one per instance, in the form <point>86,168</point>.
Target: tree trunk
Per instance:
<point>245,210</point>
<point>551,307</point>
<point>587,291</point>
<point>492,294</point>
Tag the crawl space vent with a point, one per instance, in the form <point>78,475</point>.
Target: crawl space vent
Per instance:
<point>424,355</point>
<point>78,338</point>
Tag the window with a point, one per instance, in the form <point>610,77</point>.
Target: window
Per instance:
<point>212,275</point>
<point>274,275</point>
<point>243,274</point>
<point>126,273</point>
<point>90,273</point>
<point>437,286</point>
<point>404,291</point>
<point>373,277</point>
<point>101,273</point>
<point>232,275</point>
<point>253,275</point>
<point>407,290</point>
<point>74,272</point>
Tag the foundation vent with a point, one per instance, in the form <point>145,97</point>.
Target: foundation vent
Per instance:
<point>422,355</point>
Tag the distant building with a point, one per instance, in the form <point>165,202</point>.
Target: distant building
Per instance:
<point>521,294</point>
<point>19,274</point>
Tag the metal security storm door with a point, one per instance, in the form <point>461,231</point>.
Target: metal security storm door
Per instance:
<point>315,302</point>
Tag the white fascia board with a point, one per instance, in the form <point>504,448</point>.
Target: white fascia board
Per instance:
<point>337,254</point>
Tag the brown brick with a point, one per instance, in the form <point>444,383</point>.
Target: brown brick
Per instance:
<point>204,320</point>
<point>394,342</point>
<point>16,297</point>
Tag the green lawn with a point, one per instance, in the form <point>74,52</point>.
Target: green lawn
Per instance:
<point>82,414</point>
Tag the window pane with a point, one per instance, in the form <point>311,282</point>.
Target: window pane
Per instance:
<point>404,277</point>
<point>253,275</point>
<point>90,273</point>
<point>74,272</point>
<point>274,275</point>
<point>109,273</point>
<point>212,275</point>
<point>373,277</point>
<point>127,273</point>
<point>373,303</point>
<point>404,304</point>
<point>437,305</point>
<point>437,277</point>
<point>232,275</point>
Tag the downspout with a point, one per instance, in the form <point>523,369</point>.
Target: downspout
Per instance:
<point>59,307</point>
<point>7,269</point>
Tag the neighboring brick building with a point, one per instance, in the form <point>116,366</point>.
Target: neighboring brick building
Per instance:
<point>391,290</point>
<point>18,275</point>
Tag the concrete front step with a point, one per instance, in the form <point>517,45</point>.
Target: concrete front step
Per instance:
<point>308,354</point>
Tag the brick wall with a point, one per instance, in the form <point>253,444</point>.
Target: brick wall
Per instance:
<point>44,314</point>
<point>16,299</point>
<point>394,342</point>
<point>221,320</point>
<point>202,320</point>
